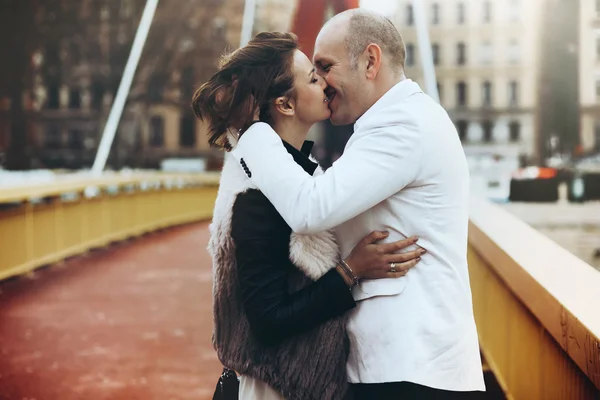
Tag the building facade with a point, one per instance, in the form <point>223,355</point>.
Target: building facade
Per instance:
<point>589,75</point>
<point>183,52</point>
<point>486,57</point>
<point>274,15</point>
<point>79,62</point>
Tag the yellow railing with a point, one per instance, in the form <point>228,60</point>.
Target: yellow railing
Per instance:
<point>45,223</point>
<point>537,308</point>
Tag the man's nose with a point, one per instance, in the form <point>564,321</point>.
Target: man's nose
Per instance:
<point>323,83</point>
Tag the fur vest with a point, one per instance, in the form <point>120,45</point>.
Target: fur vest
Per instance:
<point>308,366</point>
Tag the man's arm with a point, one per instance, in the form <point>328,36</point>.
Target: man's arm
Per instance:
<point>377,165</point>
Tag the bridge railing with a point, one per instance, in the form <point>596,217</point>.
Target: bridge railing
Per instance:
<point>41,224</point>
<point>537,308</point>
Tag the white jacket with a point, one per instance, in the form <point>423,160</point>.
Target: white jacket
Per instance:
<point>403,170</point>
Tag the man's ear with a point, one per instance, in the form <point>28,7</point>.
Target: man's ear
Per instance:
<point>373,58</point>
<point>285,106</point>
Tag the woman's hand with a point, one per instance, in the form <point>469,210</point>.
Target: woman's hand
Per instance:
<point>370,260</point>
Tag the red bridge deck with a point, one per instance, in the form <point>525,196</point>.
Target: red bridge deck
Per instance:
<point>130,322</point>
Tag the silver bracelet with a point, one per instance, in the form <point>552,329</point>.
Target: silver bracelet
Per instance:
<point>350,273</point>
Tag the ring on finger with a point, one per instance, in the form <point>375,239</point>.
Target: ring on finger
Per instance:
<point>393,267</point>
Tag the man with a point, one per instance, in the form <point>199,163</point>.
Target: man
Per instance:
<point>404,171</point>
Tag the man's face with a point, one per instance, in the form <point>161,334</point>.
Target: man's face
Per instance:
<point>333,64</point>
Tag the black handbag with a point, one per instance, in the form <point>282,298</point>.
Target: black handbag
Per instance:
<point>228,386</point>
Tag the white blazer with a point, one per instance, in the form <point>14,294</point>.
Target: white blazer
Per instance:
<point>403,170</point>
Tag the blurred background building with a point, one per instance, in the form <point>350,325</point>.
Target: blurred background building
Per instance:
<point>76,55</point>
<point>273,15</point>
<point>589,73</point>
<point>486,56</point>
<point>519,78</point>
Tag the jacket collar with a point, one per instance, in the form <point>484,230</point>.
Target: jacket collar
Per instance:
<point>301,156</point>
<point>397,93</point>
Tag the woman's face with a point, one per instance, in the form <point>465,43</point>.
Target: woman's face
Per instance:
<point>311,104</point>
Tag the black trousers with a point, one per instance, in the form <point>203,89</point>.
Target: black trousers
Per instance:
<point>408,391</point>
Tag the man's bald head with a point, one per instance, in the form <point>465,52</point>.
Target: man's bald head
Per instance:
<point>361,28</point>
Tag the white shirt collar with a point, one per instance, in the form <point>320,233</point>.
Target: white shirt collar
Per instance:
<point>396,93</point>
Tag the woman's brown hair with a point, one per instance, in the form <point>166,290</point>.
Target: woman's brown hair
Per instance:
<point>248,78</point>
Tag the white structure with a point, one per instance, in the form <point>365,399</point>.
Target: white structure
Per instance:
<point>274,15</point>
<point>589,74</point>
<point>486,59</point>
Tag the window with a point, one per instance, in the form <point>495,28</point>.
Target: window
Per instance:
<point>513,52</point>
<point>53,97</point>
<point>97,95</point>
<point>157,134</point>
<point>461,13</point>
<point>187,83</point>
<point>514,130</point>
<point>461,52</point>
<point>75,139</point>
<point>410,18</point>
<point>126,8</point>
<point>487,12</point>
<point>514,10</point>
<point>597,136</point>
<point>85,9</point>
<point>487,131</point>
<point>435,13</point>
<point>435,50</point>
<point>486,53</point>
<point>53,137</point>
<point>487,94</point>
<point>75,53</point>
<point>461,94</point>
<point>74,99</point>
<point>462,127</point>
<point>513,94</point>
<point>410,55</point>
<point>104,13</point>
<point>3,139</point>
<point>89,139</point>
<point>156,87</point>
<point>219,27</point>
<point>187,131</point>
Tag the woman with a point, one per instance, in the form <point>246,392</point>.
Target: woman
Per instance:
<point>279,298</point>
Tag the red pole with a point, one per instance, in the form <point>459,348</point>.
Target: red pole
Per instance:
<point>310,17</point>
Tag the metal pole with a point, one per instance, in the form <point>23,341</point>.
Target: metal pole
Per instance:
<point>119,102</point>
<point>425,49</point>
<point>247,22</point>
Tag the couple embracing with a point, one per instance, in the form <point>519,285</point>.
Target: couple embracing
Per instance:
<point>351,282</point>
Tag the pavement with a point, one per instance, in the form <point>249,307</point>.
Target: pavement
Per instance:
<point>130,322</point>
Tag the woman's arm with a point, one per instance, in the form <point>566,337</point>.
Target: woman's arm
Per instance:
<point>261,239</point>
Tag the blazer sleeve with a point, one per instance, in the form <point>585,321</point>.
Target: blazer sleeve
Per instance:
<point>261,240</point>
<point>378,164</point>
